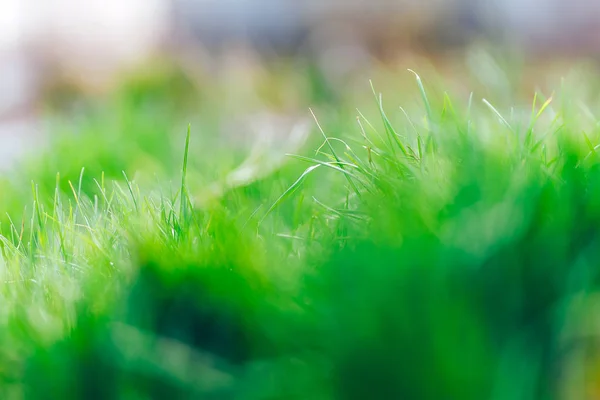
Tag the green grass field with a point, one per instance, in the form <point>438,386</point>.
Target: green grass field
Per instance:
<point>431,245</point>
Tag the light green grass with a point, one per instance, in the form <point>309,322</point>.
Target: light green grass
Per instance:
<point>445,250</point>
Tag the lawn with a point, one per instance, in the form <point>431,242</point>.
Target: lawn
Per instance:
<point>436,243</point>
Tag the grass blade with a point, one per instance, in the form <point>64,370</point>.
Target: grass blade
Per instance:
<point>289,191</point>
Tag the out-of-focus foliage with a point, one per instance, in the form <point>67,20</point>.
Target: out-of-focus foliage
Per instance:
<point>447,249</point>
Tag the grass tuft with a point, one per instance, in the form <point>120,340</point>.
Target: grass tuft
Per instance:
<point>446,257</point>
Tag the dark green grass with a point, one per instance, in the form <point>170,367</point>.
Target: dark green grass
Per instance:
<point>446,251</point>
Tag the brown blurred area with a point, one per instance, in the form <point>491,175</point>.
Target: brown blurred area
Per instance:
<point>89,43</point>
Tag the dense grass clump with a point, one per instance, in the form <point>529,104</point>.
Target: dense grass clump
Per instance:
<point>446,253</point>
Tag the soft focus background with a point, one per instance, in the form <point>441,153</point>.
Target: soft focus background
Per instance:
<point>442,244</point>
<point>55,47</point>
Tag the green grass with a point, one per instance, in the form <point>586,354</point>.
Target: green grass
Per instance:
<point>446,250</point>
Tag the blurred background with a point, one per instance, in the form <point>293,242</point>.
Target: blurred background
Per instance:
<point>53,50</point>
